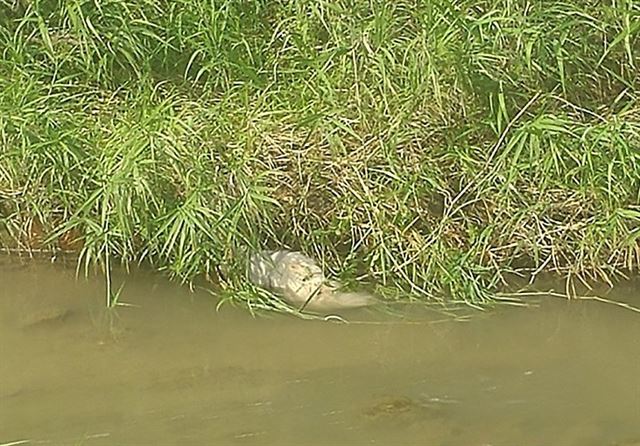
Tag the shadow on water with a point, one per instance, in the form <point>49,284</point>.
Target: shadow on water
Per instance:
<point>171,370</point>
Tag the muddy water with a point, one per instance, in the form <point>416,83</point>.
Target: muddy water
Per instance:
<point>171,370</point>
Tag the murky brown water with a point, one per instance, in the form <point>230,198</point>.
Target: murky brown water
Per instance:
<point>171,370</point>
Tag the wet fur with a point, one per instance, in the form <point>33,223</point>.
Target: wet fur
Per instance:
<point>301,282</point>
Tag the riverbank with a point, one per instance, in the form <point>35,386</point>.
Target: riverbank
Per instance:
<point>429,149</point>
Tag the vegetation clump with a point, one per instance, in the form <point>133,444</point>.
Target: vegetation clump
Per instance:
<point>433,145</point>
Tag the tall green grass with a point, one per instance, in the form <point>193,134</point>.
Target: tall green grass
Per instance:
<point>433,146</point>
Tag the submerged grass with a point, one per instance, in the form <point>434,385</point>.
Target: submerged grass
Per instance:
<point>431,146</point>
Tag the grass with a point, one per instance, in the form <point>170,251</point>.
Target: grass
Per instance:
<point>430,147</point>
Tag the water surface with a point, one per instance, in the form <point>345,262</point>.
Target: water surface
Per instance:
<point>172,370</point>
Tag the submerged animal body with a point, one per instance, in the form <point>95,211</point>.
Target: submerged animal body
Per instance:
<point>301,282</point>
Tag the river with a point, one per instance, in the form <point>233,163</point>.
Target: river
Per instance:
<point>170,369</point>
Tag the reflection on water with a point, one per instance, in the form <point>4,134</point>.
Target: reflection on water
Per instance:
<point>170,370</point>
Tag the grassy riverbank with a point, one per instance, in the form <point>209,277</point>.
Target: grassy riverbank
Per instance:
<point>433,145</point>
